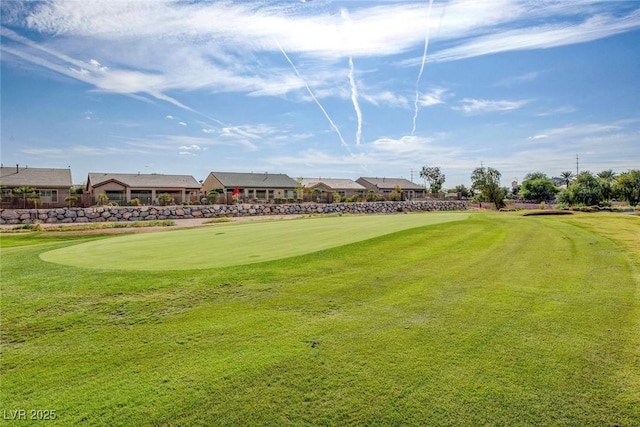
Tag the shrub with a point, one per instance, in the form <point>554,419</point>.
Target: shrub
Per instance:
<point>134,202</point>
<point>29,227</point>
<point>102,199</point>
<point>165,199</point>
<point>71,200</point>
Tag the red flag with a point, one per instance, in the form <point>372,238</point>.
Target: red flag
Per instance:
<point>236,191</point>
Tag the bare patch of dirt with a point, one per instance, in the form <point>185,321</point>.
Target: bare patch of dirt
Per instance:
<point>180,224</point>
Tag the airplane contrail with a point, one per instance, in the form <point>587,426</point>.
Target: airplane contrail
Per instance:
<point>354,99</point>
<point>424,59</point>
<point>333,125</point>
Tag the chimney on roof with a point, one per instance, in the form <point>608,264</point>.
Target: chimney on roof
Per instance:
<point>17,168</point>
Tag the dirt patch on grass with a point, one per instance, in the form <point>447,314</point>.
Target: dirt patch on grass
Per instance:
<point>68,228</point>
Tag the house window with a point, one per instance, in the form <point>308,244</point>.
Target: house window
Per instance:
<point>48,196</point>
<point>6,193</point>
<point>115,196</point>
<point>261,194</point>
<point>144,196</point>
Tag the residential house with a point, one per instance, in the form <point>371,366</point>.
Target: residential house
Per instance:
<point>52,187</point>
<point>261,187</point>
<point>322,189</point>
<point>385,186</point>
<point>121,188</point>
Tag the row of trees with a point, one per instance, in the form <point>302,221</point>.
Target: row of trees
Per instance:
<point>585,188</point>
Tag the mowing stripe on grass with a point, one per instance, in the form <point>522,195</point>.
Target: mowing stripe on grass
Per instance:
<point>236,244</point>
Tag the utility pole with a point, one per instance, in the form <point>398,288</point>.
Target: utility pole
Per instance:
<point>577,168</point>
<point>411,174</point>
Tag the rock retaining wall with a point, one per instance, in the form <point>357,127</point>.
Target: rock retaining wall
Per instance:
<point>145,213</point>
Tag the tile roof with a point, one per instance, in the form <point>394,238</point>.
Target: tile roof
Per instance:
<point>334,183</point>
<point>144,180</point>
<point>254,180</point>
<point>35,177</point>
<point>391,183</point>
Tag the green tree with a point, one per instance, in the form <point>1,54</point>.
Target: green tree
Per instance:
<point>487,181</point>
<point>26,192</point>
<point>606,179</point>
<point>567,177</point>
<point>434,177</point>
<point>396,194</point>
<point>299,189</point>
<point>627,185</point>
<point>212,195</point>
<point>71,199</point>
<point>584,190</point>
<point>372,196</point>
<point>102,199</point>
<point>165,199</point>
<point>538,186</point>
<point>76,190</point>
<point>464,191</point>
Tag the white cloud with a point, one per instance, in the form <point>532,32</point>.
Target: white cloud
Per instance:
<point>434,97</point>
<point>386,98</point>
<point>479,106</point>
<point>169,117</point>
<point>98,65</point>
<point>52,152</point>
<point>508,82</point>
<point>189,147</point>
<point>405,144</point>
<point>583,129</point>
<point>182,123</point>
<point>222,57</point>
<point>560,110</point>
<point>541,37</point>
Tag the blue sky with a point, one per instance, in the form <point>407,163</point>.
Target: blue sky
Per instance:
<point>320,88</point>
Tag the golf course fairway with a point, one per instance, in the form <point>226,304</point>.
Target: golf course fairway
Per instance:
<point>229,244</point>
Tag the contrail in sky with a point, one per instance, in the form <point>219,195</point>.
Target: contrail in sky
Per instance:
<point>333,125</point>
<point>424,59</point>
<point>354,99</point>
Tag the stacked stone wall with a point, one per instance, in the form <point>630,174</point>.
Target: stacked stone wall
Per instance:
<point>146,213</point>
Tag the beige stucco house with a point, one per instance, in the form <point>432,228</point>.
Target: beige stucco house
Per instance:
<point>322,189</point>
<point>261,187</point>
<point>52,186</point>
<point>121,188</point>
<point>385,186</point>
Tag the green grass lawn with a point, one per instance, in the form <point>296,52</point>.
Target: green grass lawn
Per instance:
<point>498,319</point>
<point>224,245</point>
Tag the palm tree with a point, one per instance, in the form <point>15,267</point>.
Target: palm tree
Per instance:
<point>567,176</point>
<point>606,179</point>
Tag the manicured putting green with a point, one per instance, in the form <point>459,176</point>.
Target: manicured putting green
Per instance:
<point>229,244</point>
